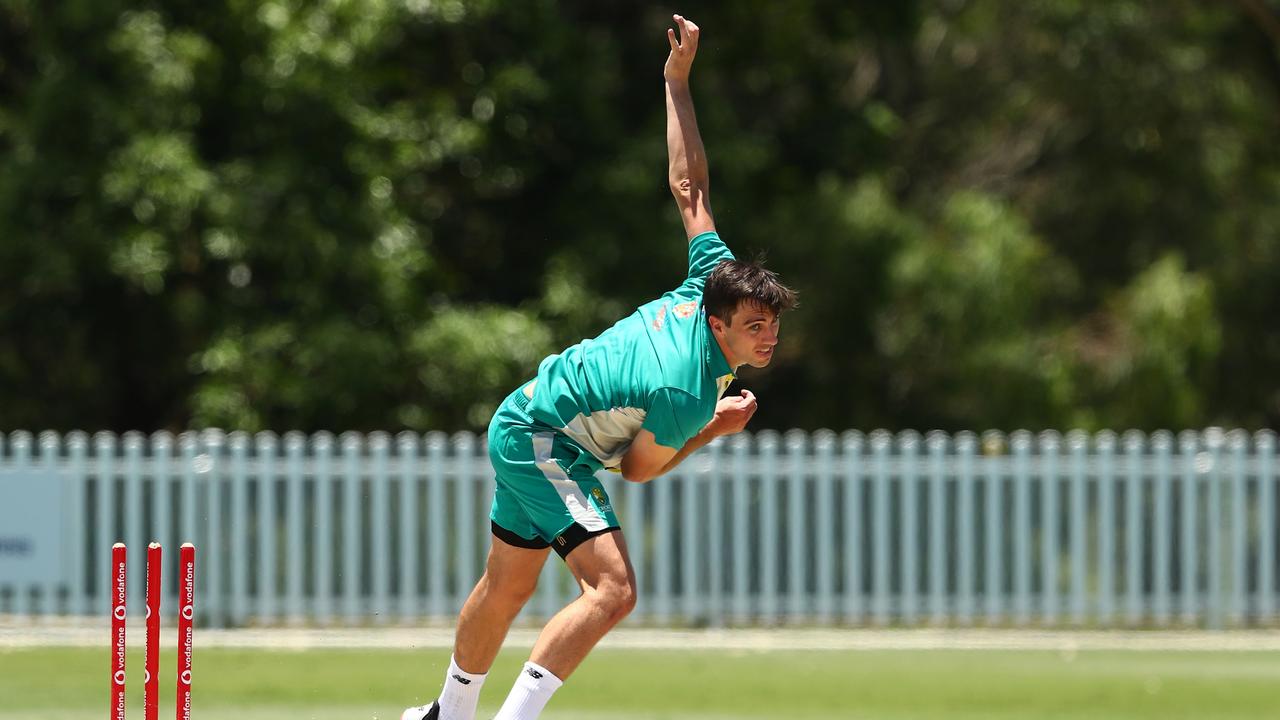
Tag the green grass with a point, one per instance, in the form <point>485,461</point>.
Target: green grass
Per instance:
<point>617,684</point>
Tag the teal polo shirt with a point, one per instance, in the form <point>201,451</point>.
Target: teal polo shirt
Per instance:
<point>659,369</point>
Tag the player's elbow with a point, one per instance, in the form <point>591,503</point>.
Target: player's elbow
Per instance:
<point>634,474</point>
<point>688,190</point>
<point>636,470</point>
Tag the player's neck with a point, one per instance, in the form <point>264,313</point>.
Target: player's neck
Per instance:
<point>734,363</point>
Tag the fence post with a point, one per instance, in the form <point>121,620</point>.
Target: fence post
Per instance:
<point>21,445</point>
<point>241,519</point>
<point>908,537</point>
<point>1238,442</point>
<point>966,448</point>
<point>717,474</point>
<point>1050,447</point>
<point>767,444</point>
<point>1078,441</point>
<point>937,444</point>
<point>135,521</point>
<point>1106,446</point>
<point>50,457</point>
<point>266,447</point>
<point>1020,443</point>
<point>162,505</point>
<point>1133,531</point>
<point>880,440</point>
<point>295,523</point>
<point>189,443</point>
<point>1162,449</point>
<point>797,546</point>
<point>380,526</point>
<point>824,447</point>
<point>993,445</point>
<point>466,481</point>
<point>323,445</point>
<point>352,536</point>
<point>1188,584</point>
<point>104,448</point>
<point>1213,438</point>
<point>851,447</point>
<point>79,599</point>
<point>410,509</point>
<point>437,570</point>
<point>1267,535</point>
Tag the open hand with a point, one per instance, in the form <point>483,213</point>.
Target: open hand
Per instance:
<point>732,413</point>
<point>683,48</point>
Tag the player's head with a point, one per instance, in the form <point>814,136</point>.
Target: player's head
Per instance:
<point>744,304</point>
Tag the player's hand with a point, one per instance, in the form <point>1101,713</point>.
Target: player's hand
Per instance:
<point>733,413</point>
<point>683,48</point>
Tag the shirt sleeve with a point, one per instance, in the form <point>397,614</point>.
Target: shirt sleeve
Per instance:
<point>669,417</point>
<point>706,251</point>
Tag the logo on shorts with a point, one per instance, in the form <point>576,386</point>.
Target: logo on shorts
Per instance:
<point>602,500</point>
<point>685,310</point>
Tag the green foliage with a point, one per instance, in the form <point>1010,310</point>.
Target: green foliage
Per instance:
<point>382,214</point>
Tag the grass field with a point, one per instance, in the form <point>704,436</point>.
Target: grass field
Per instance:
<point>701,684</point>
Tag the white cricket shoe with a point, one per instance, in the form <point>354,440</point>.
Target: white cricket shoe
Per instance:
<point>422,712</point>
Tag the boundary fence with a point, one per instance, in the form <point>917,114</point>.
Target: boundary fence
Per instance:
<point>796,528</point>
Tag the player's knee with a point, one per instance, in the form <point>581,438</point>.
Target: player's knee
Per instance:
<point>617,598</point>
<point>627,601</point>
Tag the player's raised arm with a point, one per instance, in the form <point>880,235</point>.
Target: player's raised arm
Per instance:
<point>687,170</point>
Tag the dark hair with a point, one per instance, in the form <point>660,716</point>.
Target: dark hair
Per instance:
<point>733,281</point>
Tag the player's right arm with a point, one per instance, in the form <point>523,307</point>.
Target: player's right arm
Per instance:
<point>687,160</point>
<point>646,459</point>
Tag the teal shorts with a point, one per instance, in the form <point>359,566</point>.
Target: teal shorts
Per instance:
<point>547,494</point>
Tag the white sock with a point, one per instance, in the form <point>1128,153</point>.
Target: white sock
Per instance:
<point>460,694</point>
<point>530,693</point>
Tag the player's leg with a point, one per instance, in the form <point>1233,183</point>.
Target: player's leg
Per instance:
<point>603,569</point>
<point>510,577</point>
<point>509,580</point>
<point>515,561</point>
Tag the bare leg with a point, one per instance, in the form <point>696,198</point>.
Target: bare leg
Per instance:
<point>510,577</point>
<point>603,569</point>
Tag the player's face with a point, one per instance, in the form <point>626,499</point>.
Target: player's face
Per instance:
<point>750,337</point>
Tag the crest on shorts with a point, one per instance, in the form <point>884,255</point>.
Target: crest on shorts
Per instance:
<point>685,309</point>
<point>602,500</point>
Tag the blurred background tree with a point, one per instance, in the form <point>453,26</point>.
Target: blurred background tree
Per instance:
<point>359,214</point>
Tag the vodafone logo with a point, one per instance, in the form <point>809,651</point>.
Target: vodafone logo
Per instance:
<point>119,612</point>
<point>186,677</point>
<point>118,677</point>
<point>148,612</point>
<point>187,612</point>
<point>146,677</point>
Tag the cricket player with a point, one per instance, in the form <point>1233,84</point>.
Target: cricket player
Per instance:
<point>638,399</point>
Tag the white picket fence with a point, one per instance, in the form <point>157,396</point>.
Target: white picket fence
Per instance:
<point>795,528</point>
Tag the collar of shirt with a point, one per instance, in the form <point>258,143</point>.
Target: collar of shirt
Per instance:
<point>714,357</point>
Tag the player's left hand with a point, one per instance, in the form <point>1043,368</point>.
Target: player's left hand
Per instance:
<point>683,47</point>
<point>733,413</point>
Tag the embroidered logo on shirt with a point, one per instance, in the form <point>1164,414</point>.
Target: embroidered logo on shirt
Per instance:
<point>686,309</point>
<point>661,320</point>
